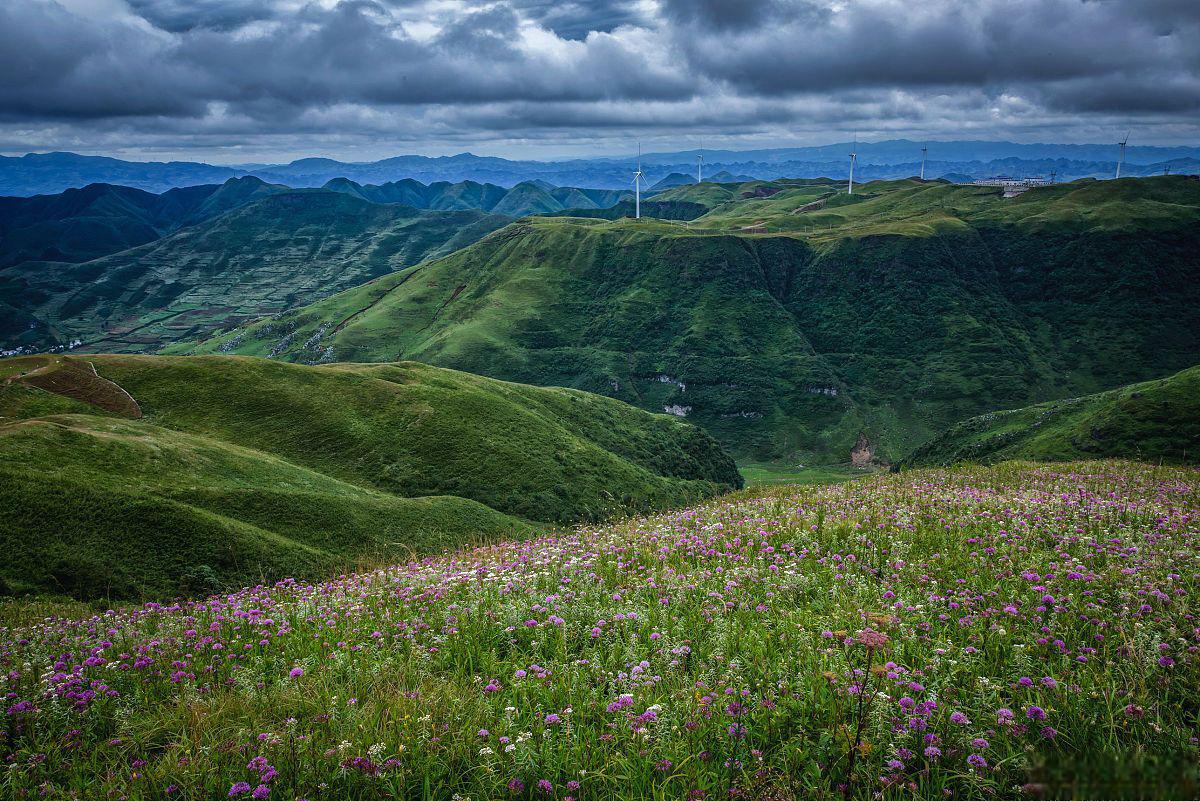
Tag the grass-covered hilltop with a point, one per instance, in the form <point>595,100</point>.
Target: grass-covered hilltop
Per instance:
<point>1153,421</point>
<point>141,476</point>
<point>795,322</point>
<point>1013,632</point>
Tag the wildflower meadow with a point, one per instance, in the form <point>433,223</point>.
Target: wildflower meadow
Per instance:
<point>1016,631</point>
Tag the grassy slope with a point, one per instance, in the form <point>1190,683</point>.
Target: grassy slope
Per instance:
<point>1154,421</point>
<point>271,254</point>
<point>256,468</point>
<point>920,304</point>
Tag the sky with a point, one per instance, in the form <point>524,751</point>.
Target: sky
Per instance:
<point>243,81</point>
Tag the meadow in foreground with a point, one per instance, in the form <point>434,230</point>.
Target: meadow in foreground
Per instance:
<point>970,633</point>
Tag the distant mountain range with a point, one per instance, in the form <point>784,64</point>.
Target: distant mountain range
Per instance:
<point>48,173</point>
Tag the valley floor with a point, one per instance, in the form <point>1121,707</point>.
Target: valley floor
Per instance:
<point>1018,630</point>
<point>774,473</point>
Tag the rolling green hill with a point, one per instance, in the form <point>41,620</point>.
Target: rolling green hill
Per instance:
<point>795,323</point>
<point>1152,421</point>
<point>270,251</point>
<point>142,475</point>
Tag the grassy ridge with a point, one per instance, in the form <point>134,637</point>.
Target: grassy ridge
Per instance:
<point>889,314</point>
<point>1154,421</point>
<point>244,468</point>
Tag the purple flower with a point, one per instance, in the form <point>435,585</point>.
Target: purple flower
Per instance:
<point>933,752</point>
<point>552,719</point>
<point>1035,713</point>
<point>545,786</point>
<point>241,788</point>
<point>976,761</point>
<point>483,733</point>
<point>296,672</point>
<point>872,639</point>
<point>959,718</point>
<point>261,792</point>
<point>516,785</point>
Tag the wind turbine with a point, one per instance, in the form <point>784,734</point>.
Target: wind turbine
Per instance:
<point>637,186</point>
<point>1121,161</point>
<point>1053,175</point>
<point>700,165</point>
<point>924,150</point>
<point>853,158</point>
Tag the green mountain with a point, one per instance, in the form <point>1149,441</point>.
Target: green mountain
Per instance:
<point>84,224</point>
<point>262,252</point>
<point>795,322</point>
<point>527,197</point>
<point>674,179</point>
<point>1152,421</point>
<point>141,475</point>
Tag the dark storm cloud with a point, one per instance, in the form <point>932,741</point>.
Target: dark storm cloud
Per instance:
<point>575,19</point>
<point>984,44</point>
<point>178,16</point>
<point>56,65</point>
<point>461,69</point>
<point>732,15</point>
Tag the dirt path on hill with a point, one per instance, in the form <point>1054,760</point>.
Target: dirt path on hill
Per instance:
<point>72,379</point>
<point>346,321</point>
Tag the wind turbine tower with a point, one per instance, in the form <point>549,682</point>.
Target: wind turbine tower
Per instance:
<point>853,158</point>
<point>637,186</point>
<point>924,150</point>
<point>700,165</point>
<point>1121,161</point>
<point>1053,175</point>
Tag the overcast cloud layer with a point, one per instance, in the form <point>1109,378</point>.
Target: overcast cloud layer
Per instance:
<point>257,80</point>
